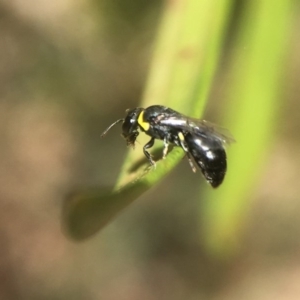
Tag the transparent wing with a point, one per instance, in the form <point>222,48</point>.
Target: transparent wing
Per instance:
<point>199,127</point>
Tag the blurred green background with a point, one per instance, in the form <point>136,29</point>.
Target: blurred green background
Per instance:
<point>69,69</point>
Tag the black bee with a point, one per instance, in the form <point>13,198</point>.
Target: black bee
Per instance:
<point>199,139</point>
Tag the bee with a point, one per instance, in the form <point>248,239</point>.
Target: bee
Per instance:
<point>201,141</point>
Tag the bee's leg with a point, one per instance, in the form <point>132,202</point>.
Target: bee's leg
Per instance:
<point>147,154</point>
<point>191,162</point>
<point>182,142</point>
<point>186,150</point>
<point>165,150</point>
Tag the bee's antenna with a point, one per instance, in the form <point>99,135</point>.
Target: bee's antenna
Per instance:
<point>112,125</point>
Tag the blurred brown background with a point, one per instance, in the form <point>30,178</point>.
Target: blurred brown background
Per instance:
<point>67,70</point>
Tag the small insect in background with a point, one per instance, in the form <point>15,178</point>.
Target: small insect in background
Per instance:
<point>201,141</point>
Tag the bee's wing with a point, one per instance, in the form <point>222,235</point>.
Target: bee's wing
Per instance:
<point>203,126</point>
<point>200,128</point>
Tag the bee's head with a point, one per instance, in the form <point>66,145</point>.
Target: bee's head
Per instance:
<point>130,125</point>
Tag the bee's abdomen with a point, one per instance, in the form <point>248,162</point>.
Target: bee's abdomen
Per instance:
<point>210,156</point>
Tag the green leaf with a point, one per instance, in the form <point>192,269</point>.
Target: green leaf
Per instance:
<point>185,59</point>
<point>252,115</point>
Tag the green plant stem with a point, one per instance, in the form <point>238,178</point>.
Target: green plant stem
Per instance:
<point>256,76</point>
<point>185,58</point>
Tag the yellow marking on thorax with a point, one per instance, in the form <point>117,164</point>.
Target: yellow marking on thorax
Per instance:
<point>145,125</point>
